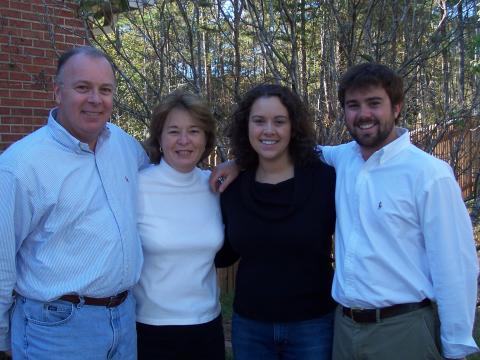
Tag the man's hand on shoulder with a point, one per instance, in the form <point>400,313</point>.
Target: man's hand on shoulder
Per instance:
<point>223,175</point>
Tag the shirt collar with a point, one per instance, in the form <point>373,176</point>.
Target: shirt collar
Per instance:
<point>390,150</point>
<point>180,178</point>
<point>61,135</point>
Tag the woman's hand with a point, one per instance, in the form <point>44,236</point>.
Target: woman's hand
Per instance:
<point>223,175</point>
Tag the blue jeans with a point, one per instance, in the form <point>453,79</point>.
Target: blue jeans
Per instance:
<point>299,340</point>
<point>63,330</point>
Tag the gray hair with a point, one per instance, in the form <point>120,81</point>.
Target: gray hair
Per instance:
<point>85,50</point>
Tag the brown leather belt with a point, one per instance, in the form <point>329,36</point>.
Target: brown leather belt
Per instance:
<point>375,315</point>
<point>109,302</point>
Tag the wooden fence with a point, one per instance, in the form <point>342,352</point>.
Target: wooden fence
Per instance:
<point>456,144</point>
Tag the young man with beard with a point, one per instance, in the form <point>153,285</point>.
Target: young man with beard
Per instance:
<point>406,266</point>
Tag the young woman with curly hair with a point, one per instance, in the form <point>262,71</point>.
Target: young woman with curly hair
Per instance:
<point>279,217</point>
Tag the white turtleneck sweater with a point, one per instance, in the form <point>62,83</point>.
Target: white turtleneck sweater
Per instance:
<point>180,225</point>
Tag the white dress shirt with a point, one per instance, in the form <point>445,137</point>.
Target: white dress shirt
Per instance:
<point>181,229</point>
<point>403,234</point>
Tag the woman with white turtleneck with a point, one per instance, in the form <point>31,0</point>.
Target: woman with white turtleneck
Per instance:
<point>180,225</point>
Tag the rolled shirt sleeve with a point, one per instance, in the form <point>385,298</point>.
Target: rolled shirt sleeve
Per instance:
<point>453,263</point>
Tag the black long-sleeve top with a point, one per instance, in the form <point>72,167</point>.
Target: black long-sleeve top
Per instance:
<point>282,234</point>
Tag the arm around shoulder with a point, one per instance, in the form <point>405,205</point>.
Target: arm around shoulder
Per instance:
<point>329,154</point>
<point>223,175</point>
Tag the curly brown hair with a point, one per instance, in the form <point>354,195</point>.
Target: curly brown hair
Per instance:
<point>179,99</point>
<point>302,141</point>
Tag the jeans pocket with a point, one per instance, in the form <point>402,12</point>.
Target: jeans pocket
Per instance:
<point>48,314</point>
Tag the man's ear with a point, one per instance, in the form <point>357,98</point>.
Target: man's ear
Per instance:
<point>56,93</point>
<point>397,108</point>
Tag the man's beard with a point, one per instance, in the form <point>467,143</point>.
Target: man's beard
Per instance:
<point>374,140</point>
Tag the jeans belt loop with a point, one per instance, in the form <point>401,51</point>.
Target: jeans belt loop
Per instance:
<point>81,302</point>
<point>111,303</point>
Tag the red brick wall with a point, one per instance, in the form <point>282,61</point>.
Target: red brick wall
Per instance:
<point>32,35</point>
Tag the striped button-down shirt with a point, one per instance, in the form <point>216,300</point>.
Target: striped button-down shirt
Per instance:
<point>68,216</point>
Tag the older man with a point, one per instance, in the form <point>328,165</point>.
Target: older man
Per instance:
<point>69,248</point>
